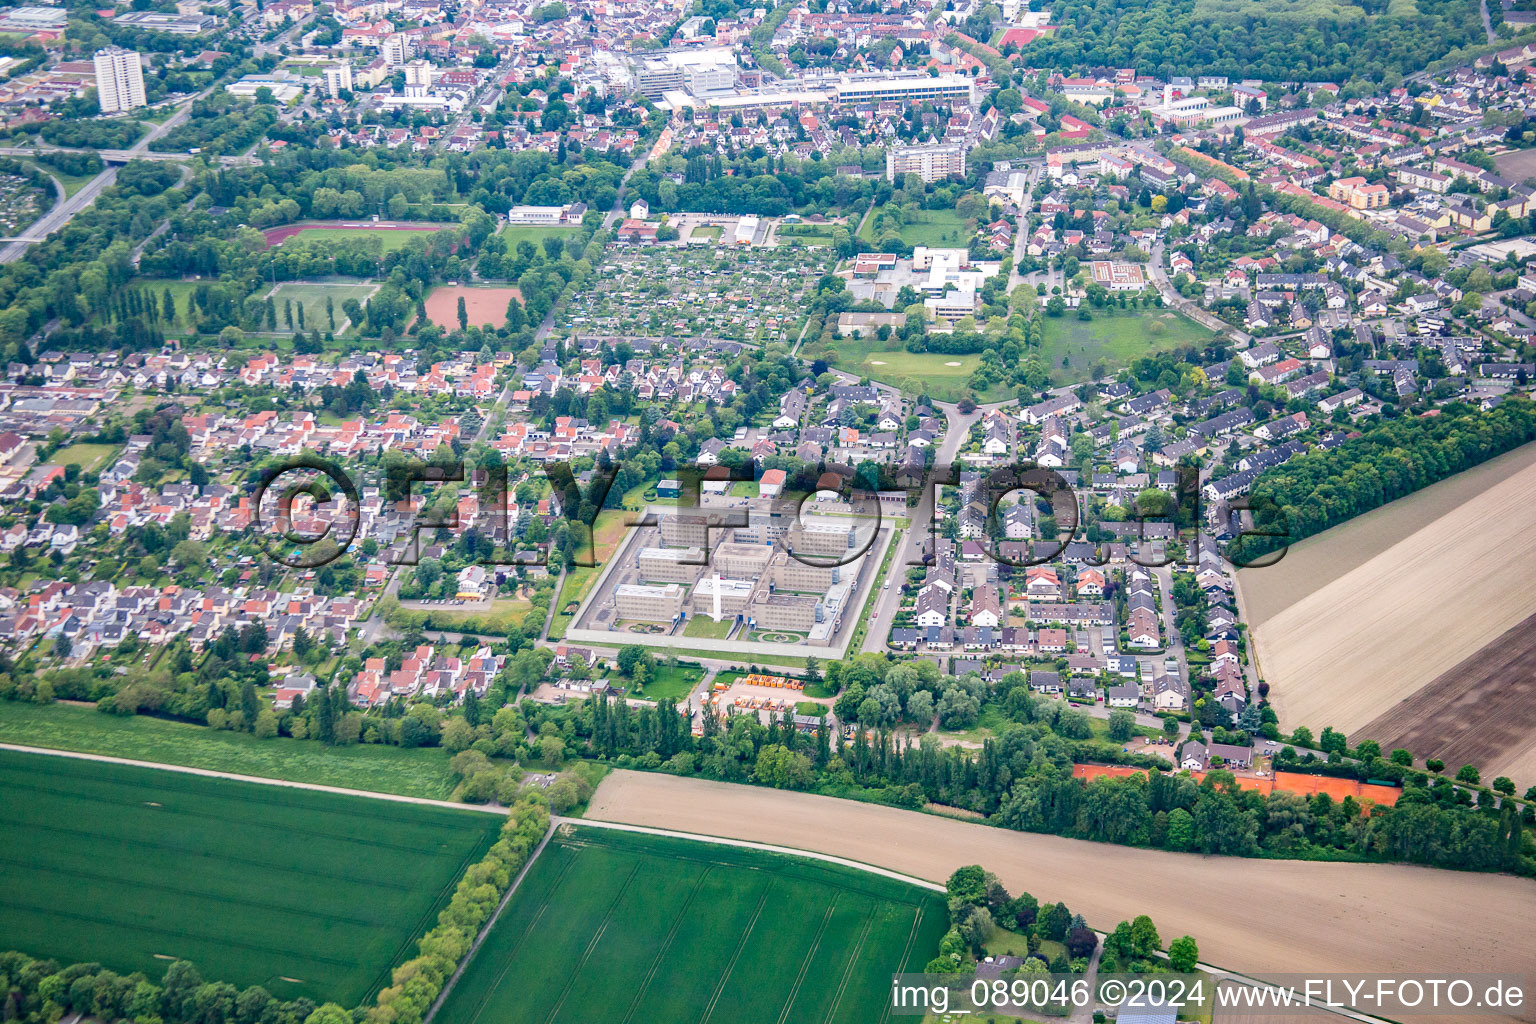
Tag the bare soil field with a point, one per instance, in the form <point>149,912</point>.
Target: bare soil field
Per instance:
<point>1375,635</point>
<point>1296,916</point>
<point>1322,559</point>
<point>1478,713</point>
<point>484,307</point>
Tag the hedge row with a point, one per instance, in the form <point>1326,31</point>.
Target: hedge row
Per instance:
<point>415,984</point>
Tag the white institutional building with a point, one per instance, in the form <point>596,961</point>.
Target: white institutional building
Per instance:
<point>119,80</point>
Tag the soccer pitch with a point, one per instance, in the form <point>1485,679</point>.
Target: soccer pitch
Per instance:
<point>615,926</point>
<point>308,894</point>
<point>311,297</point>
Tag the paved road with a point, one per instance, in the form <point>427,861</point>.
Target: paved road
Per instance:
<point>64,212</point>
<point>1171,297</point>
<point>60,215</point>
<point>909,547</point>
<point>122,156</point>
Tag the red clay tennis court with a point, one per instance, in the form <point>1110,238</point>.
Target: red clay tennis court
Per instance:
<point>1289,782</point>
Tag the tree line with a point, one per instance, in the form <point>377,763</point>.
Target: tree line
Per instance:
<point>1394,458</point>
<point>1023,779</point>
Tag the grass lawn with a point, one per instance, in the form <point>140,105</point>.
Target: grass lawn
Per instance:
<point>682,930</point>
<point>419,772</point>
<point>705,233</point>
<point>535,233</point>
<point>943,228</point>
<point>577,582</point>
<point>393,238</point>
<point>311,296</point>
<point>89,457</point>
<point>313,894</point>
<point>705,628</point>
<point>674,683</point>
<point>804,234</point>
<point>505,614</point>
<point>181,294</point>
<point>1114,337</point>
<point>72,182</point>
<point>941,376</point>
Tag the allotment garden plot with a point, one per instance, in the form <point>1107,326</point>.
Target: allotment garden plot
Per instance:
<point>746,295</point>
<point>611,926</point>
<point>21,203</point>
<point>308,894</point>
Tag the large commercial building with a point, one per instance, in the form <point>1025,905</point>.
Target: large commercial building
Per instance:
<point>904,88</point>
<point>175,24</point>
<point>931,163</point>
<point>119,80</point>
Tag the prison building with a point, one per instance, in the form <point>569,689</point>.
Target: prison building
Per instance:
<point>685,531</point>
<point>734,596</point>
<point>821,536</point>
<point>639,602</point>
<point>671,565</point>
<point>741,561</point>
<point>789,573</point>
<point>785,611</point>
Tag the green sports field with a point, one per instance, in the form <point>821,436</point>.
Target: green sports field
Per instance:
<point>613,926</point>
<point>312,295</point>
<point>535,233</point>
<point>308,894</point>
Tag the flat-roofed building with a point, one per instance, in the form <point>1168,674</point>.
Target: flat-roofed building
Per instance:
<point>784,611</point>
<point>690,531</point>
<point>640,602</point>
<point>734,596</point>
<point>905,88</point>
<point>740,560</point>
<point>931,163</point>
<point>821,536</point>
<point>671,565</point>
<point>788,573</point>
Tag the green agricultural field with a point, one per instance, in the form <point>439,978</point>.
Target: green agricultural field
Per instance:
<point>311,296</point>
<point>308,894</point>
<point>91,458</point>
<point>421,771</point>
<point>535,233</point>
<point>1116,338</point>
<point>611,926</point>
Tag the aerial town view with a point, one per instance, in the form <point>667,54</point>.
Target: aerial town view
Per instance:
<point>824,512</point>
